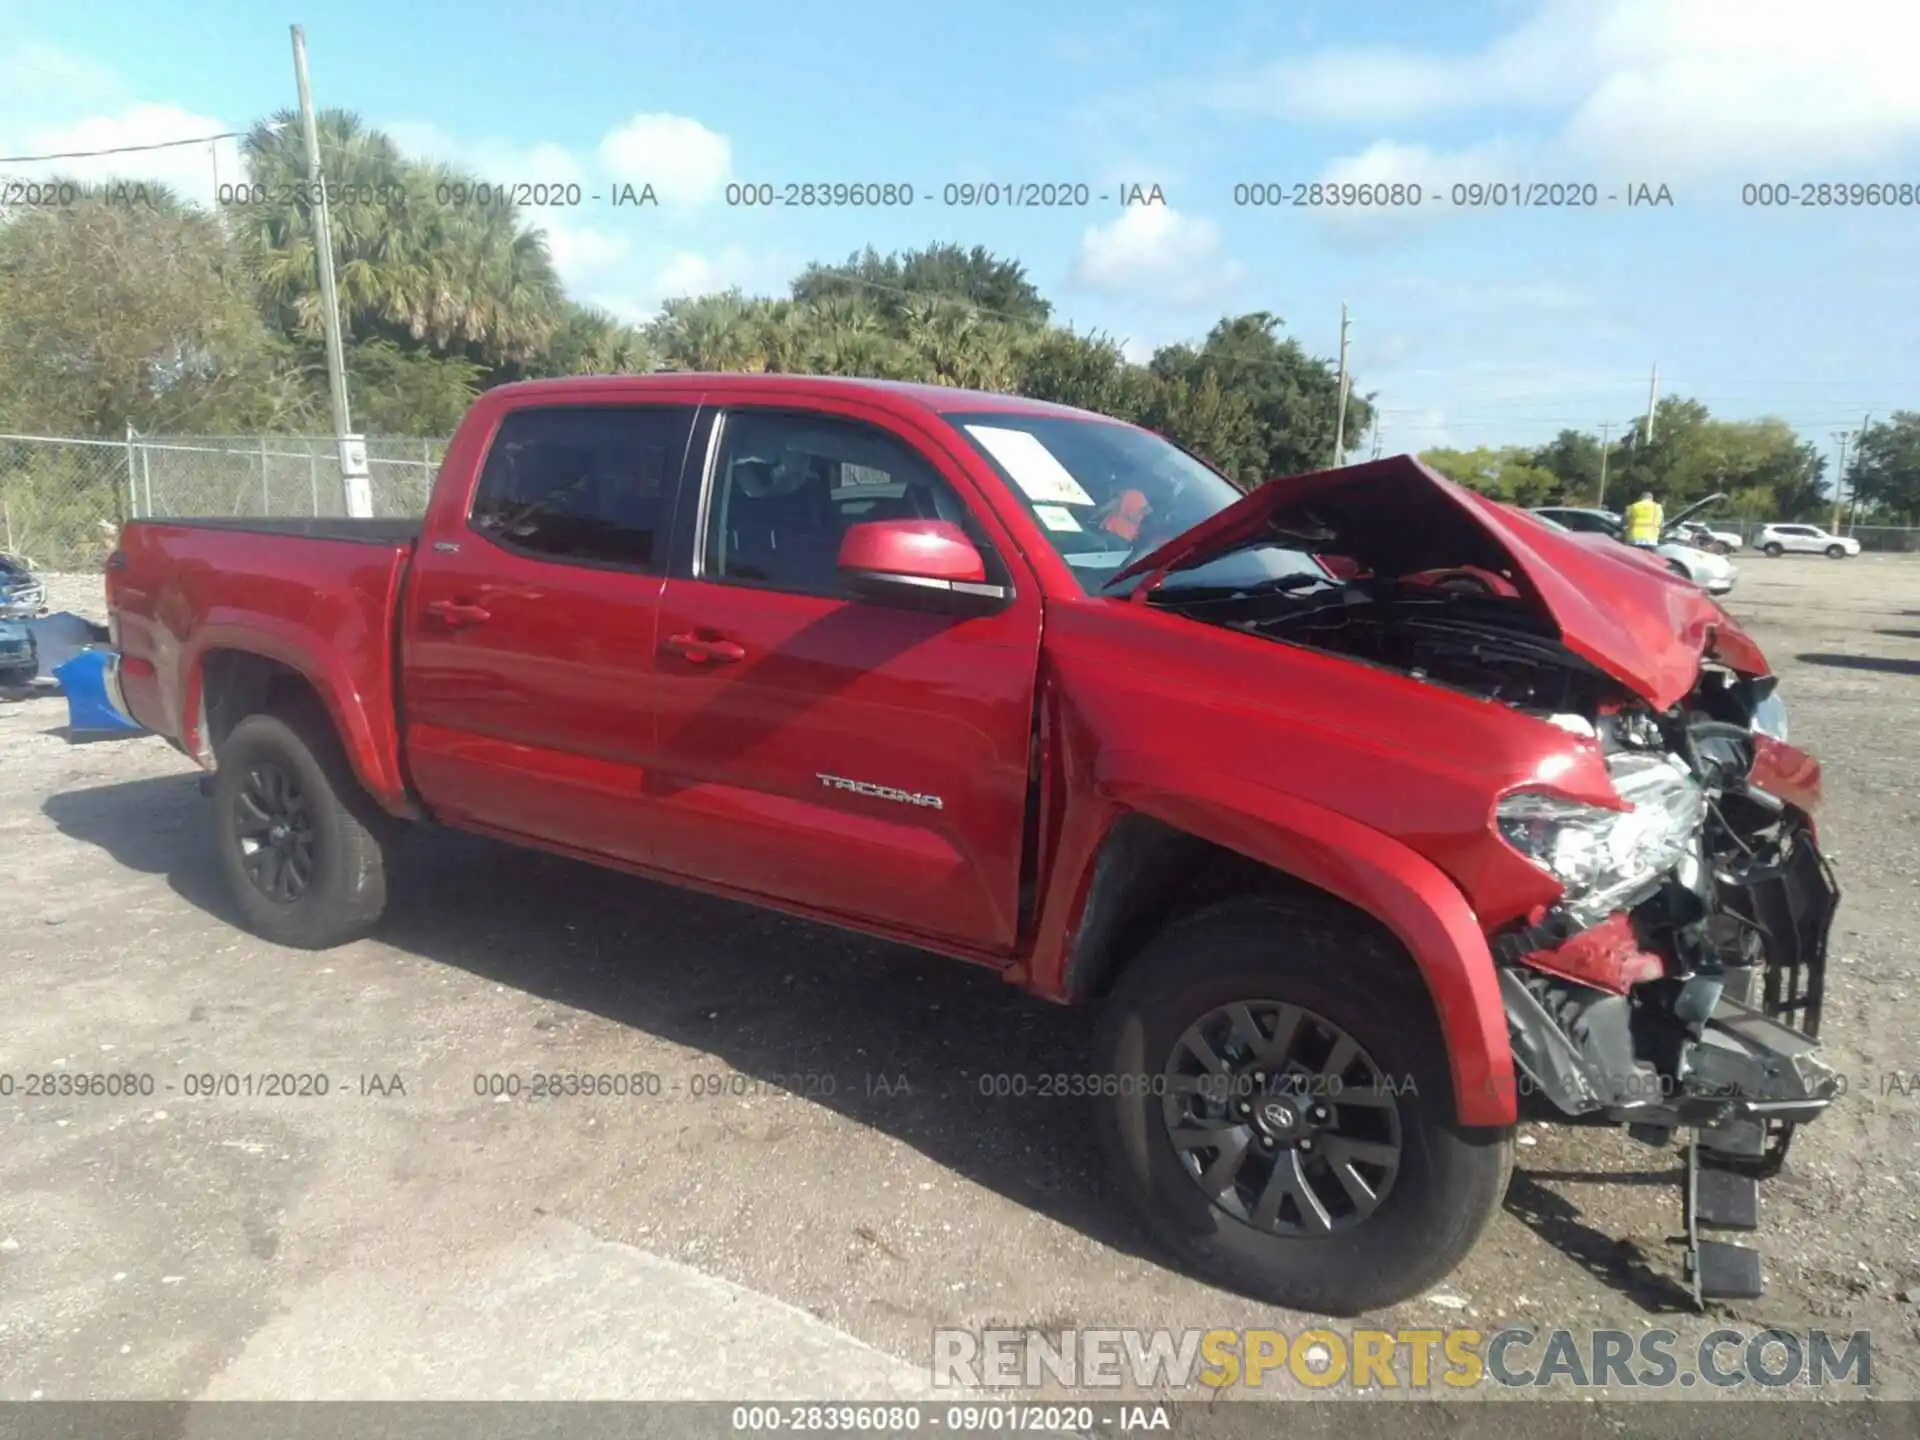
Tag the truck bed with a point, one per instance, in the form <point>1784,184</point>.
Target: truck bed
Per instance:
<point>318,595</point>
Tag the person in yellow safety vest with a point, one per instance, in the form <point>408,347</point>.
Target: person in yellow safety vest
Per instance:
<point>1643,521</point>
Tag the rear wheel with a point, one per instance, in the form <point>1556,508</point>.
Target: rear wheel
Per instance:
<point>1773,549</point>
<point>1837,552</point>
<point>1283,1116</point>
<point>299,840</point>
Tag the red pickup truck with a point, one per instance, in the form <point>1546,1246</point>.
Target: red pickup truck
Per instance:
<point>1375,813</point>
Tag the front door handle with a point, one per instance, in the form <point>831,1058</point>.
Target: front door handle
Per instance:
<point>702,650</point>
<point>457,614</point>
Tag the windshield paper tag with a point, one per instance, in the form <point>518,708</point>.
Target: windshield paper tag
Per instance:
<point>1032,466</point>
<point>1056,517</point>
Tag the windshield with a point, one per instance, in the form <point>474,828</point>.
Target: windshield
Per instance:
<point>1101,491</point>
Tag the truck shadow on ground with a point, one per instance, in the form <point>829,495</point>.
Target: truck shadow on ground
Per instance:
<point>1888,663</point>
<point>1617,1263</point>
<point>780,1000</point>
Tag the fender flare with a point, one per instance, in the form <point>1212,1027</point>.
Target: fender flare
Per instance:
<point>1370,871</point>
<point>272,639</point>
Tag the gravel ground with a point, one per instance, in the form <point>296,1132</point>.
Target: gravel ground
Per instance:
<point>380,1240</point>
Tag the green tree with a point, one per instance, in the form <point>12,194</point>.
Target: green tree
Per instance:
<point>1086,371</point>
<point>589,341</point>
<point>1884,475</point>
<point>115,312</point>
<point>1508,473</point>
<point>414,264</point>
<point>1214,422</point>
<point>1573,459</point>
<point>1294,397</point>
<point>890,283</point>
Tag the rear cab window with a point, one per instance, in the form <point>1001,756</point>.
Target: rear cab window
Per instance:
<point>584,484</point>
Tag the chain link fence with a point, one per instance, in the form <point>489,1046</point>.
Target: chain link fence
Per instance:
<point>63,499</point>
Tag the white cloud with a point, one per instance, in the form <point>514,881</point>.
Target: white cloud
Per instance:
<point>597,250</point>
<point>685,162</point>
<point>496,160</point>
<point>1660,90</point>
<point>1155,254</point>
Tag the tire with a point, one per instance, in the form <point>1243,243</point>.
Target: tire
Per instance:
<point>296,758</point>
<point>1430,1212</point>
<point>1836,552</point>
<point>21,676</point>
<point>1773,549</point>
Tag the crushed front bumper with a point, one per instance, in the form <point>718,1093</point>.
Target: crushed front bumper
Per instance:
<point>1745,1069</point>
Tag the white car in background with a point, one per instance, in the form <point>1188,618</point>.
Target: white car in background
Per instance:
<point>1806,540</point>
<point>1692,532</point>
<point>1714,574</point>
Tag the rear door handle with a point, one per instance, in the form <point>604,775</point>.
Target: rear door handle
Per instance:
<point>457,614</point>
<point>703,651</point>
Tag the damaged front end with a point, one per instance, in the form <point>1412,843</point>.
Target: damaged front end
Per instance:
<point>1678,982</point>
<point>1675,982</point>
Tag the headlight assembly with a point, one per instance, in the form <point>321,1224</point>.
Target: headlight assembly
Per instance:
<point>1770,718</point>
<point>1604,857</point>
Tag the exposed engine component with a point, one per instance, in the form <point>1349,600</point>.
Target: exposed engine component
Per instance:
<point>1470,638</point>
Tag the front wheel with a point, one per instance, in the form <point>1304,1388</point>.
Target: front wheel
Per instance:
<point>1282,1115</point>
<point>1773,549</point>
<point>299,841</point>
<point>1836,552</point>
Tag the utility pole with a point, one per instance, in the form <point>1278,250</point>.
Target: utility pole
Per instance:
<point>352,448</point>
<point>1376,436</point>
<point>1340,420</point>
<point>1606,428</point>
<point>1840,475</point>
<point>1853,495</point>
<point>1653,400</point>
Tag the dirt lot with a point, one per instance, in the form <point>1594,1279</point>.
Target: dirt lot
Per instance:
<point>408,1235</point>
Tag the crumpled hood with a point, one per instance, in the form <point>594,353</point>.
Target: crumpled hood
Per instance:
<point>1613,606</point>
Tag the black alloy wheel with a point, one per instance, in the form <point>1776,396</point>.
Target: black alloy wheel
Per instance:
<point>1281,1118</point>
<point>273,826</point>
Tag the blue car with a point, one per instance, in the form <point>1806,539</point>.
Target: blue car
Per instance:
<point>19,657</point>
<point>23,595</point>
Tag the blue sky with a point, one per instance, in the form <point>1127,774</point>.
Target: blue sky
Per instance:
<point>1473,326</point>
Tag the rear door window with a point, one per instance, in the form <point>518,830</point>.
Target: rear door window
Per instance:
<point>585,484</point>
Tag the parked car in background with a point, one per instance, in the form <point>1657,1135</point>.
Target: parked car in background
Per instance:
<point>19,658</point>
<point>1692,532</point>
<point>1713,573</point>
<point>1778,540</point>
<point>23,595</point>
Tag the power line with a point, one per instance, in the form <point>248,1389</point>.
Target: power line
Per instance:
<point>121,149</point>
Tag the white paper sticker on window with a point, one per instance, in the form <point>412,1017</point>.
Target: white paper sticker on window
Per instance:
<point>1056,517</point>
<point>1032,466</point>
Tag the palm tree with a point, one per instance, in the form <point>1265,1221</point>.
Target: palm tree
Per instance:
<point>710,332</point>
<point>417,262</point>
